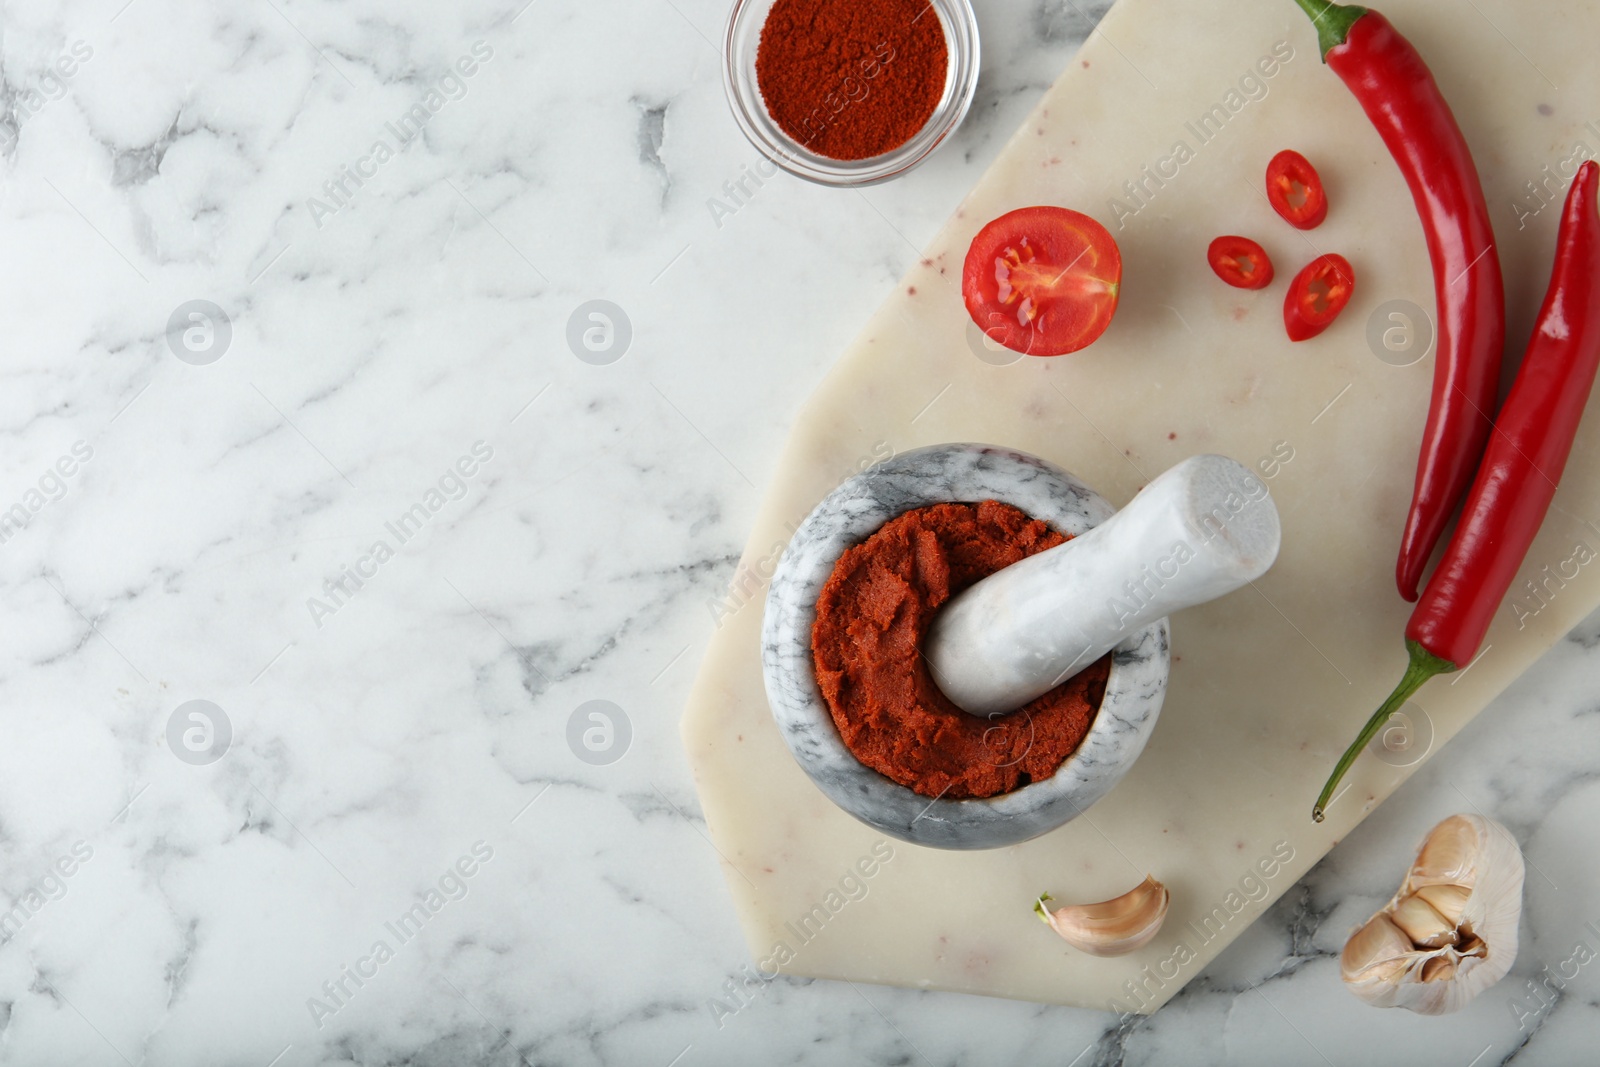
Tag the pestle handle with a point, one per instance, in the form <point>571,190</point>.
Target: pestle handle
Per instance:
<point>1200,530</point>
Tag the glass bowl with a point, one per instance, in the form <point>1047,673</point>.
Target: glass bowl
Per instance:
<point>744,97</point>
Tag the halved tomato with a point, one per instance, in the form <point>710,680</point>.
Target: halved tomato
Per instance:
<point>1042,280</point>
<point>1316,296</point>
<point>1240,262</point>
<point>1294,188</point>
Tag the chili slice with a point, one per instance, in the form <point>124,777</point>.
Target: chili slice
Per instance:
<point>1294,188</point>
<point>1526,455</point>
<point>1316,296</point>
<point>1240,262</point>
<point>1398,93</point>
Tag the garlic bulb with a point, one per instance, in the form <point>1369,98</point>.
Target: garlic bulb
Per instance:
<point>1451,930</point>
<point>1112,927</point>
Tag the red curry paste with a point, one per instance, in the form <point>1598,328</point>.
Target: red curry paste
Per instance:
<point>871,619</point>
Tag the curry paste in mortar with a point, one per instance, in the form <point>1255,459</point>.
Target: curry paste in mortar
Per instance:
<point>871,618</point>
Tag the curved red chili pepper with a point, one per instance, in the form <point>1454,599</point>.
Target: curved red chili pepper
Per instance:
<point>1524,460</point>
<point>1528,451</point>
<point>1398,93</point>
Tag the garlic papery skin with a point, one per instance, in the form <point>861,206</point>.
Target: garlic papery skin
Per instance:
<point>1112,927</point>
<point>1450,932</point>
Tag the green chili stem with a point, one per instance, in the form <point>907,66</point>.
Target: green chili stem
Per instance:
<point>1423,665</point>
<point>1333,21</point>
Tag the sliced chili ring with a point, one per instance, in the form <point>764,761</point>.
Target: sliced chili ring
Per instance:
<point>1240,262</point>
<point>1295,190</point>
<point>1316,296</point>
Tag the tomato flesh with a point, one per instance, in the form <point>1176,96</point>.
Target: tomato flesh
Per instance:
<point>1316,296</point>
<point>1240,262</point>
<point>1295,190</point>
<point>1042,280</point>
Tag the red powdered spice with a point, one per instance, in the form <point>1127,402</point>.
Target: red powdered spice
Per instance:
<point>851,79</point>
<point>871,618</point>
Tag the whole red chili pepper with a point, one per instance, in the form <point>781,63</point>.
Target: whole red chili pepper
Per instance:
<point>1527,452</point>
<point>1398,93</point>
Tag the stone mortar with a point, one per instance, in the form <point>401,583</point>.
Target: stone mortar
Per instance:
<point>937,474</point>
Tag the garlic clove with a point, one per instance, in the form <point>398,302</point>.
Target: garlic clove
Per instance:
<point>1450,901</point>
<point>1449,854</point>
<point>1112,927</point>
<point>1450,931</point>
<point>1375,957</point>
<point>1420,922</point>
<point>1438,969</point>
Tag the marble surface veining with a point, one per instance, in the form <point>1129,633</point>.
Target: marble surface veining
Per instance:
<point>367,504</point>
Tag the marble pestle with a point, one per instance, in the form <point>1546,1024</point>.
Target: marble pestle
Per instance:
<point>1200,530</point>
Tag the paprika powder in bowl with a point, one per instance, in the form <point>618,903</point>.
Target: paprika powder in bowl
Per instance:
<point>798,682</point>
<point>849,92</point>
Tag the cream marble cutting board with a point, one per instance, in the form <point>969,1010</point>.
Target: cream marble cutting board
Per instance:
<point>1269,683</point>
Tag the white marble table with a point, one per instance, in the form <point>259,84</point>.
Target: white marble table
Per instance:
<point>399,535</point>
